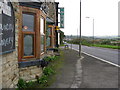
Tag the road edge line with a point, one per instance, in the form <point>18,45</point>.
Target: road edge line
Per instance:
<point>99,58</point>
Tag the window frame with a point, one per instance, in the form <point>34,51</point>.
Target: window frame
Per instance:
<point>43,16</point>
<point>52,36</point>
<point>21,33</point>
<point>37,40</point>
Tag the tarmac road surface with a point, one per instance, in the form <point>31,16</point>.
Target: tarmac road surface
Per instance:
<point>110,55</point>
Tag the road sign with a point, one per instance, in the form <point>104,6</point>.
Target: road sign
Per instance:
<point>62,17</point>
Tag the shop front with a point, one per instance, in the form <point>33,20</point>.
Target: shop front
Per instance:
<point>29,45</point>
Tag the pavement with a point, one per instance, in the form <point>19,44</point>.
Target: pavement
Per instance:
<point>68,71</point>
<point>86,72</point>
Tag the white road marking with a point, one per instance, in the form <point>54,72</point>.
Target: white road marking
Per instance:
<point>99,58</point>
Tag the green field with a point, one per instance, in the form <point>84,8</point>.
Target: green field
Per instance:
<point>107,46</point>
<point>104,43</point>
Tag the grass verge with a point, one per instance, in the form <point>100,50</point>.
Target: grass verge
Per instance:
<point>107,46</point>
<point>103,46</point>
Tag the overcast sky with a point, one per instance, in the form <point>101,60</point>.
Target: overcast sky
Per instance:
<point>104,12</point>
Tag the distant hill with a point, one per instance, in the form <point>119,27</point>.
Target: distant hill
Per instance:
<point>96,37</point>
<point>108,37</point>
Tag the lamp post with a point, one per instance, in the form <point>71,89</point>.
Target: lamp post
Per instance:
<point>80,33</point>
<point>93,29</point>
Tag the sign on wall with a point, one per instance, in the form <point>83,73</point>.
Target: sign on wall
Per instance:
<point>7,28</point>
<point>62,17</point>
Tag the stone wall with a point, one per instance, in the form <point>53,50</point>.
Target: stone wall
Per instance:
<point>30,73</point>
<point>52,10</point>
<point>9,65</point>
<point>9,70</point>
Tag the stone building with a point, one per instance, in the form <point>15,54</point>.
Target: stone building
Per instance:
<point>30,42</point>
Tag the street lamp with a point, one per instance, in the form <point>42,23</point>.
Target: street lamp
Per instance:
<point>93,28</point>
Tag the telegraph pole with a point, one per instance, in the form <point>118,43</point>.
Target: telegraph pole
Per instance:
<point>80,33</point>
<point>93,33</point>
<point>71,41</point>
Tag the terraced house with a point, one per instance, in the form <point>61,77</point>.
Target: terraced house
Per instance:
<point>27,31</point>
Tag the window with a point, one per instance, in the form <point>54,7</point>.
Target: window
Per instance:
<point>28,45</point>
<point>28,22</point>
<point>32,30</point>
<point>49,35</point>
<point>48,41</point>
<point>42,35</point>
<point>49,31</point>
<point>28,34</point>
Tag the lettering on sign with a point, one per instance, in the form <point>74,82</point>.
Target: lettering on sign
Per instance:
<point>61,17</point>
<point>7,27</point>
<point>5,8</point>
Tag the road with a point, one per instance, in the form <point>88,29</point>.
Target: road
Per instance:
<point>97,74</point>
<point>87,72</point>
<point>110,55</point>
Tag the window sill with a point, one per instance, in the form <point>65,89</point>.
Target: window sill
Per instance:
<point>30,63</point>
